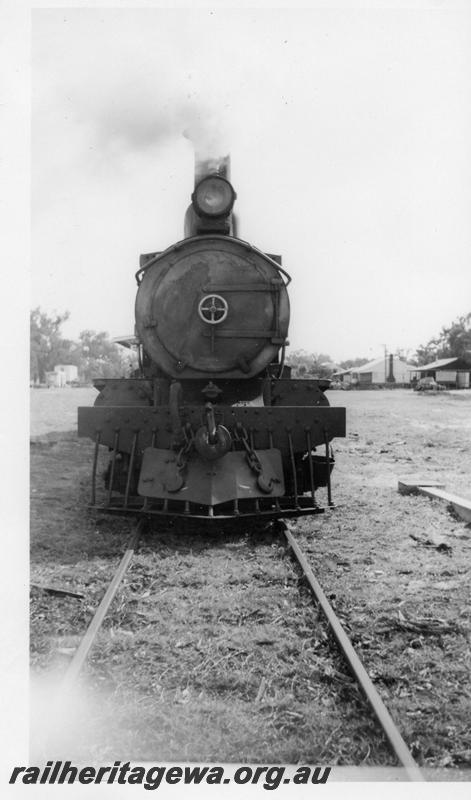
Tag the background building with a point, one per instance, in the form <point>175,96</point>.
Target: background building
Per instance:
<point>387,370</point>
<point>454,373</point>
<point>62,375</point>
<point>68,371</point>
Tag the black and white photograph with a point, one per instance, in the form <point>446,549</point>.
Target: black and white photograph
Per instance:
<point>249,306</point>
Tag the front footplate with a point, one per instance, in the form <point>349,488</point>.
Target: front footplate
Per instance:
<point>208,483</point>
<point>284,428</point>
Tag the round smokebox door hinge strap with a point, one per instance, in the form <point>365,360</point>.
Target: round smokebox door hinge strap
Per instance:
<point>213,309</point>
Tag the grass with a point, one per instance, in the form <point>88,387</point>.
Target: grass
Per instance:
<point>213,649</point>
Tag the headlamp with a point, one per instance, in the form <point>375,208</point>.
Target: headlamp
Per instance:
<point>213,197</point>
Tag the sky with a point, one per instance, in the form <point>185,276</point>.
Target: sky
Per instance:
<point>349,135</point>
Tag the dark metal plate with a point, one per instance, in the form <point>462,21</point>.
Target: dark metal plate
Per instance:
<point>269,426</point>
<point>209,483</point>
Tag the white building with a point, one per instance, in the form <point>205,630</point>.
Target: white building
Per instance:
<point>68,371</point>
<point>55,380</point>
<point>384,371</point>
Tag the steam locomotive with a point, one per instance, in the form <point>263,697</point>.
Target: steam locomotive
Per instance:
<point>211,425</point>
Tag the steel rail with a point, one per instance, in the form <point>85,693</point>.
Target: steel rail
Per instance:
<point>86,643</point>
<point>382,714</point>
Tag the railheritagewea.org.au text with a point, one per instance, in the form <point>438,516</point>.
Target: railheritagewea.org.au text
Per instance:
<point>62,772</point>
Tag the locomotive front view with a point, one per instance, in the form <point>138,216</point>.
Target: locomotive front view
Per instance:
<point>211,425</point>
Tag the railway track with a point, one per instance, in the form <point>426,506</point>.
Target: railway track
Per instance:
<point>391,732</point>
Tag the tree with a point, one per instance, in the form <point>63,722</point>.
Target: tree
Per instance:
<point>427,353</point>
<point>353,362</point>
<point>101,358</point>
<point>47,346</point>
<point>456,339</point>
<point>309,365</point>
<point>94,354</point>
<point>453,341</point>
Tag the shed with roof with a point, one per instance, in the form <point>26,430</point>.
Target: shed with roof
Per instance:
<point>454,373</point>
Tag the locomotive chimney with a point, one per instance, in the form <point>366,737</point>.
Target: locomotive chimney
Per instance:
<point>391,378</point>
<point>211,214</point>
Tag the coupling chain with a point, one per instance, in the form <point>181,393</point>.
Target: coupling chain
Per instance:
<point>252,458</point>
<point>183,453</point>
<point>175,478</point>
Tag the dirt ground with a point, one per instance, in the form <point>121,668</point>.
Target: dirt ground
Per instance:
<point>213,650</point>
